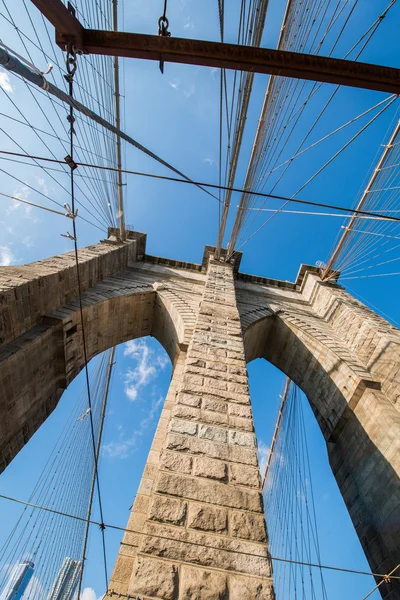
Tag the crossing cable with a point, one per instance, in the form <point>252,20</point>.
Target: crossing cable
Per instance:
<point>162,537</point>
<point>386,579</point>
<point>71,64</point>
<point>285,199</point>
<point>14,65</point>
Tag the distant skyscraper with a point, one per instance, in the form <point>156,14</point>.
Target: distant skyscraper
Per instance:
<point>65,583</point>
<point>20,577</point>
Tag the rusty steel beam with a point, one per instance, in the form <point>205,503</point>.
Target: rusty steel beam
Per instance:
<point>68,29</point>
<point>216,54</point>
<point>243,58</point>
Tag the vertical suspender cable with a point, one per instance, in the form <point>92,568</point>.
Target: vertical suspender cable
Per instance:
<point>260,21</point>
<point>98,446</point>
<point>121,215</point>
<point>278,422</point>
<point>375,174</point>
<point>259,134</point>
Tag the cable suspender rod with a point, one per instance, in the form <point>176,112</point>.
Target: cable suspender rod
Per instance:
<point>121,214</point>
<point>274,437</point>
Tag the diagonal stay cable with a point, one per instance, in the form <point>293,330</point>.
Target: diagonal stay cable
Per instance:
<point>285,199</point>
<point>183,541</point>
<point>14,65</point>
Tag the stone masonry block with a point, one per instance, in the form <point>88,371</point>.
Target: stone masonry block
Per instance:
<point>183,427</point>
<point>210,468</point>
<point>199,584</point>
<point>215,405</point>
<point>168,510</point>
<point>207,518</point>
<point>242,475</point>
<point>241,438</point>
<point>214,418</point>
<point>155,578</point>
<point>186,412</point>
<point>240,410</point>
<point>215,434</point>
<point>203,490</point>
<point>123,569</point>
<point>250,588</point>
<point>239,423</point>
<point>200,548</point>
<point>248,526</point>
<point>173,461</point>
<point>183,443</point>
<point>189,399</point>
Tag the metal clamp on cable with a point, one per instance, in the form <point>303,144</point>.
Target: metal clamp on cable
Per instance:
<point>68,235</point>
<point>70,63</point>
<point>69,213</point>
<point>70,162</point>
<point>163,25</point>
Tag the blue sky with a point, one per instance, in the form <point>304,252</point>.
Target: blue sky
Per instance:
<point>177,116</point>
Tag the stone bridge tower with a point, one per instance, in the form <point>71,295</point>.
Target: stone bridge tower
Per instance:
<point>197,528</point>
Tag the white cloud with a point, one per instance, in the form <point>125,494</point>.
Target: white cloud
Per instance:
<point>42,184</point>
<point>189,91</point>
<point>263,452</point>
<point>7,258</point>
<point>22,192</point>
<point>89,594</point>
<point>189,25</point>
<point>125,448</point>
<point>28,241</point>
<point>174,84</point>
<point>148,363</point>
<point>5,82</point>
<point>210,161</point>
<point>214,72</point>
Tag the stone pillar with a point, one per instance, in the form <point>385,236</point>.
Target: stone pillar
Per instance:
<point>197,526</point>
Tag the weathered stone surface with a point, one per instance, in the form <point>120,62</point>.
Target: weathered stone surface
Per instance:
<point>207,555</point>
<point>186,412</point>
<point>207,518</point>
<point>345,357</point>
<point>189,399</point>
<point>194,445</point>
<point>123,568</point>
<point>241,438</point>
<point>184,427</point>
<point>215,405</point>
<point>168,510</point>
<point>250,588</point>
<point>172,461</point>
<point>240,410</point>
<point>211,468</point>
<point>199,584</point>
<point>248,526</point>
<point>206,491</point>
<point>215,434</point>
<point>214,418</point>
<point>156,578</point>
<point>244,475</point>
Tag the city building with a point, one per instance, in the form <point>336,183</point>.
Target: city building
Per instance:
<point>20,576</point>
<point>65,583</point>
